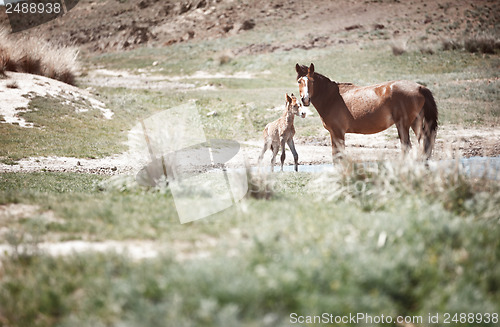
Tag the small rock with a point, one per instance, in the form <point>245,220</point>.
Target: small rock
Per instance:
<point>155,63</point>
<point>78,163</point>
<point>212,113</point>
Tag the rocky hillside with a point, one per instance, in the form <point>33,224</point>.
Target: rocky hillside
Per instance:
<point>117,25</point>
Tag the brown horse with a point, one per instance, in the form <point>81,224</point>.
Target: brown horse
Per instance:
<point>281,132</point>
<point>347,108</point>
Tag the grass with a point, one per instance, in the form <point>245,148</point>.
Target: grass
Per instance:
<point>34,56</point>
<point>397,240</point>
<point>61,131</point>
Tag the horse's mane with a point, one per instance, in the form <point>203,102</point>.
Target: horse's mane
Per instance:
<point>317,76</point>
<point>324,81</point>
<point>344,87</point>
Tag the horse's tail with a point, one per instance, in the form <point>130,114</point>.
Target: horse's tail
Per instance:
<point>430,123</point>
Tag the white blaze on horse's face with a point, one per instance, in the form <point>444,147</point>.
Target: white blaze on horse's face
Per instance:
<point>304,90</point>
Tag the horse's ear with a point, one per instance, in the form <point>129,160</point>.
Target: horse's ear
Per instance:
<point>288,99</point>
<point>311,69</point>
<point>297,68</point>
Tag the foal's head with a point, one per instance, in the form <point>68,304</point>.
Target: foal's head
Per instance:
<point>305,78</point>
<point>293,106</point>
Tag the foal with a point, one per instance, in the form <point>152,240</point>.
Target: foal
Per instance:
<point>281,131</point>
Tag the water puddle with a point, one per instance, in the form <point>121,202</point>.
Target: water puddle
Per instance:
<point>477,167</point>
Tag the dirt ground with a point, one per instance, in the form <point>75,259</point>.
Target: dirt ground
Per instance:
<point>452,142</point>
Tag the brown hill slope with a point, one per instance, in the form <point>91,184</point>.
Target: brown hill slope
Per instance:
<point>116,25</point>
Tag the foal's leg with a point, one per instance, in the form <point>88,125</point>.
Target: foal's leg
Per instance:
<point>291,145</point>
<point>283,142</point>
<point>267,145</point>
<point>275,148</point>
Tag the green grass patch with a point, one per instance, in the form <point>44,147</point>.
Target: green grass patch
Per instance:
<point>298,253</point>
<point>59,130</point>
<point>386,239</point>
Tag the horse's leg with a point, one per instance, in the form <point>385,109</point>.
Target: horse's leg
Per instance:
<point>283,142</point>
<point>291,145</point>
<point>404,136</point>
<point>338,144</point>
<point>416,126</point>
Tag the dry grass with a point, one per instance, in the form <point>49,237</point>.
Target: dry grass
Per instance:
<point>33,56</point>
<point>12,85</point>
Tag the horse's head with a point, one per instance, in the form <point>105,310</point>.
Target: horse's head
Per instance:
<point>305,78</point>
<point>294,106</point>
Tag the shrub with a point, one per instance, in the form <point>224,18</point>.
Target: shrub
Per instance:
<point>449,44</point>
<point>480,44</point>
<point>398,50</point>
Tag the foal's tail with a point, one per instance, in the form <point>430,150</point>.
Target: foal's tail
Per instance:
<point>430,123</point>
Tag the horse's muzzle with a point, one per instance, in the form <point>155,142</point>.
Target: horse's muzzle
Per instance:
<point>306,101</point>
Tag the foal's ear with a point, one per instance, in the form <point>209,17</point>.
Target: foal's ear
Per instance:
<point>297,68</point>
<point>311,69</point>
<point>288,99</point>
